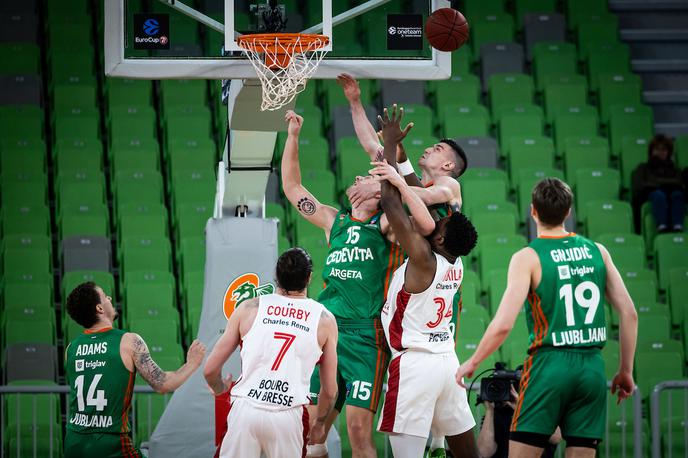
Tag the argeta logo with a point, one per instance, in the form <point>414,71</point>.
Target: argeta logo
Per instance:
<point>151,31</point>
<point>151,27</point>
<point>79,365</point>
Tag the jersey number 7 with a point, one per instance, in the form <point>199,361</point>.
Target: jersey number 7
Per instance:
<point>288,340</point>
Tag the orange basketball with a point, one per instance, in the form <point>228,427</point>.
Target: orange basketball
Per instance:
<point>446,29</point>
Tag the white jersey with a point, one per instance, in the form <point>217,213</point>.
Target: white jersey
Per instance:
<point>279,353</point>
<point>422,321</point>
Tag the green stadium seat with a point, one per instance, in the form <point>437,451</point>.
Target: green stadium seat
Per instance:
<point>630,121</point>
<point>84,219</point>
<point>314,154</point>
<point>494,222</point>
<point>155,335</point>
<point>313,127</point>
<point>510,89</point>
<point>588,156</point>
<point>465,121</point>
<point>20,58</point>
<point>188,126</point>
<point>139,120</point>
<point>677,294</point>
<point>33,423</point>
<point>681,150</point>
<point>608,216</point>
<point>26,261</point>
<point>505,239</point>
<point>421,116</point>
<point>182,92</point>
<point>70,160</point>
<point>31,331</point>
<point>192,218</point>
<point>80,193</point>
<point>671,252</point>
<point>614,89</point>
<point>463,89</point>
<point>608,58</point>
<point>322,184</point>
<point>191,186</point>
<point>528,152</point>
<point>21,121</point>
<point>136,187</point>
<point>527,179</point>
<point>33,294</point>
<point>72,279</point>
<point>22,155</point>
<point>493,258</point>
<point>575,122</point>
<point>491,184</point>
<point>594,183</point>
<point>522,7</point>
<point>474,8</point>
<point>334,95</point>
<point>24,193</point>
<point>490,28</point>
<point>153,253</point>
<point>641,284</point>
<point>560,95</point>
<point>553,59</point>
<point>25,219</point>
<point>627,250</point>
<point>597,30</point>
<point>578,11</point>
<point>496,285</point>
<point>516,344</point>
<point>191,255</point>
<point>128,92</point>
<point>610,355</point>
<point>134,223</point>
<point>521,125</point>
<point>66,95</point>
<point>653,365</point>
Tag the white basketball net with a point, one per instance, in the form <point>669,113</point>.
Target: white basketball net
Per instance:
<point>283,64</point>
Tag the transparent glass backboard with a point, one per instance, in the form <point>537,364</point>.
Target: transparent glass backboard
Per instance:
<point>372,39</point>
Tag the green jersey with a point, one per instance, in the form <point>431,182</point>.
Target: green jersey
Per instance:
<point>358,268</point>
<point>100,386</point>
<point>566,310</point>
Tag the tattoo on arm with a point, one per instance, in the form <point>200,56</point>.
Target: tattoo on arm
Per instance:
<point>306,206</point>
<point>148,369</point>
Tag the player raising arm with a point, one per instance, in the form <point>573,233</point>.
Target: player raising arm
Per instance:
<point>563,276</point>
<point>359,264</point>
<point>268,412</point>
<point>102,364</point>
<point>417,322</point>
<point>441,164</point>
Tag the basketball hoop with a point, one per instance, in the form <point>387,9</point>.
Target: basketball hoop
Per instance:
<point>284,62</point>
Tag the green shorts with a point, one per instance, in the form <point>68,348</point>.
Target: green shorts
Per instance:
<point>565,388</point>
<point>363,356</point>
<point>107,445</point>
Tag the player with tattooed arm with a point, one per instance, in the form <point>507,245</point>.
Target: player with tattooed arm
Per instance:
<point>102,364</point>
<point>440,164</point>
<point>358,268</point>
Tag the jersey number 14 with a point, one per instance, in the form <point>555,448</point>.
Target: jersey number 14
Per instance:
<point>586,288</point>
<point>94,396</point>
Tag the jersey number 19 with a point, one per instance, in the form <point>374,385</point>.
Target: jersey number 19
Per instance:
<point>586,288</point>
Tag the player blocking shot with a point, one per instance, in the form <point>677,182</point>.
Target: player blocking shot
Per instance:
<point>422,395</point>
<point>102,364</point>
<point>562,278</point>
<point>359,265</point>
<point>282,337</point>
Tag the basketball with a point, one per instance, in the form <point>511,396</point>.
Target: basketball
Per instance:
<point>446,29</point>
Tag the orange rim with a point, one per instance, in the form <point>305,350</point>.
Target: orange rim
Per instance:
<point>280,47</point>
<point>310,41</point>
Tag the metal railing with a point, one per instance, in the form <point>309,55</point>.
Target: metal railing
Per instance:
<point>55,432</point>
<point>656,416</point>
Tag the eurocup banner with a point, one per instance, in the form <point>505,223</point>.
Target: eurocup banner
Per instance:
<point>240,264</point>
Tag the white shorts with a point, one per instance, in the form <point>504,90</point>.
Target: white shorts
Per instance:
<point>252,430</point>
<point>423,396</point>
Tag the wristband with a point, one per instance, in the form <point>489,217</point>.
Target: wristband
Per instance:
<point>405,168</point>
<point>316,450</point>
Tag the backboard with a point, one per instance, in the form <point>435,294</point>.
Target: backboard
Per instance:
<point>381,39</point>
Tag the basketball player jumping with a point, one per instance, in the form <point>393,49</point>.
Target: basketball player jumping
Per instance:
<point>563,276</point>
<point>422,396</point>
<point>282,337</point>
<point>359,264</point>
<point>102,364</point>
<point>441,164</point>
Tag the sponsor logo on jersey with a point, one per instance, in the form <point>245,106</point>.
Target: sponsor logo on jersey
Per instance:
<point>438,336</point>
<point>347,254</point>
<point>246,286</point>
<point>564,273</point>
<point>343,274</point>
<point>79,365</point>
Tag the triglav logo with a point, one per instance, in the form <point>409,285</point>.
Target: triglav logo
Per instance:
<point>246,286</point>
<point>151,27</point>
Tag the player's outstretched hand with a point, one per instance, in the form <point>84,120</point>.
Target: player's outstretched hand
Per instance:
<point>391,126</point>
<point>194,357</point>
<point>352,91</point>
<point>623,383</point>
<point>295,122</point>
<point>467,369</point>
<point>318,434</point>
<point>384,171</point>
